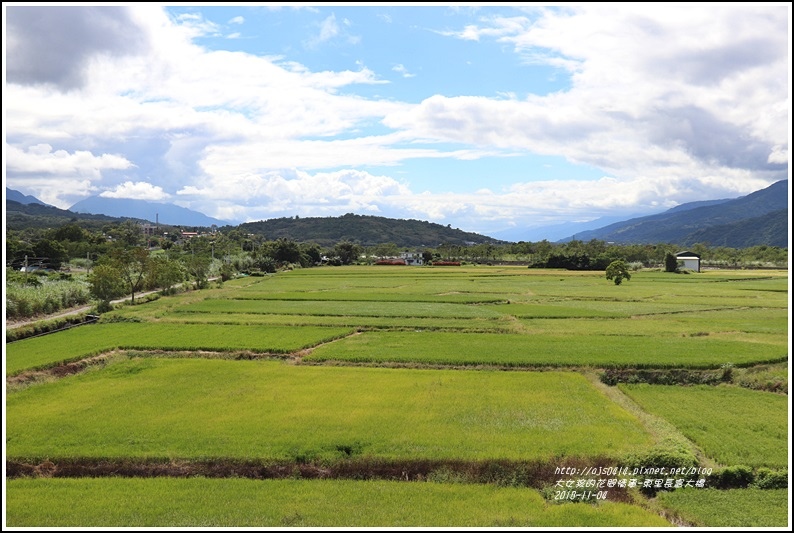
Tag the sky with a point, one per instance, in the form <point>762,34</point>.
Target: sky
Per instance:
<point>490,118</point>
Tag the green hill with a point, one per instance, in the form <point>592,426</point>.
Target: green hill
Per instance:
<point>364,230</point>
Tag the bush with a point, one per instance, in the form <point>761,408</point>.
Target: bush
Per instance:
<point>766,478</point>
<point>733,477</point>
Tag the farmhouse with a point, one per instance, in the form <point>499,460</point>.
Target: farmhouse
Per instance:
<point>412,258</point>
<point>691,260</point>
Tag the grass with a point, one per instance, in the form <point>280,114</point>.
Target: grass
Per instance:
<point>732,425</point>
<point>189,408</point>
<point>90,340</point>
<point>729,508</point>
<point>364,322</point>
<point>342,308</point>
<point>201,502</point>
<point>445,348</point>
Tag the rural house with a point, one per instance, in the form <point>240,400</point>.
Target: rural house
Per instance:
<point>691,260</point>
<point>412,258</point>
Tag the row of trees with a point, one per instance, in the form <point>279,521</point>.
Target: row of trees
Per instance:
<point>71,243</point>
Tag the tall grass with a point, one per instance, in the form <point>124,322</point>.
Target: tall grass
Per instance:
<point>50,296</point>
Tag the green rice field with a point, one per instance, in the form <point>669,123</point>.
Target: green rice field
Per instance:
<point>735,426</point>
<point>201,502</point>
<point>192,408</point>
<point>749,508</point>
<point>339,367</point>
<point>547,350</point>
<point>91,340</point>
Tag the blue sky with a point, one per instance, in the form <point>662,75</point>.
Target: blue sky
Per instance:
<point>493,119</point>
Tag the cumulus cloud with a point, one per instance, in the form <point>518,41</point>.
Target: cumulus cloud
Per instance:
<point>41,159</point>
<point>289,192</point>
<point>664,105</point>
<point>139,190</point>
<point>653,93</point>
<point>55,44</point>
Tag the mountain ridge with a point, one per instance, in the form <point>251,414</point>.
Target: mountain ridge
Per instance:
<point>684,224</point>
<point>152,211</point>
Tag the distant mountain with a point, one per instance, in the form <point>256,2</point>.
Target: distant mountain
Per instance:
<point>555,232</point>
<point>16,196</point>
<point>23,216</point>
<point>152,211</point>
<point>364,230</point>
<point>686,224</point>
<point>770,229</point>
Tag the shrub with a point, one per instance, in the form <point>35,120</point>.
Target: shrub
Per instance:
<point>766,478</point>
<point>733,477</point>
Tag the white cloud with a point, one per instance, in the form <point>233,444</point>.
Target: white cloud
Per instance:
<point>197,26</point>
<point>778,154</point>
<point>654,93</point>
<point>400,68</point>
<point>237,20</point>
<point>327,31</point>
<point>667,106</point>
<point>41,159</point>
<point>139,190</point>
<point>287,192</point>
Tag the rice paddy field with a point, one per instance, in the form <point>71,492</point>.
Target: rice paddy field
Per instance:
<point>407,397</point>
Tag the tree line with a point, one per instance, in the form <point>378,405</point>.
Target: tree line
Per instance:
<point>123,260</point>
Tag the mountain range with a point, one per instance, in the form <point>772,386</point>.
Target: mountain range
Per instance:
<point>24,199</point>
<point>758,218</point>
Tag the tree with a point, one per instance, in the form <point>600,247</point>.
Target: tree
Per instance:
<point>133,265</point>
<point>670,263</point>
<point>105,284</point>
<point>347,252</point>
<point>165,273</point>
<point>198,267</point>
<point>286,251</point>
<point>54,252</point>
<point>127,234</point>
<point>617,270</point>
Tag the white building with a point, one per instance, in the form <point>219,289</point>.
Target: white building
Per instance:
<point>412,258</point>
<point>691,260</point>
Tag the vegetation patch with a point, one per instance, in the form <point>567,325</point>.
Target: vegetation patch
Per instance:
<point>546,350</point>
<point>728,508</point>
<point>202,502</point>
<point>43,327</point>
<point>733,425</point>
<point>237,409</point>
<point>92,340</point>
